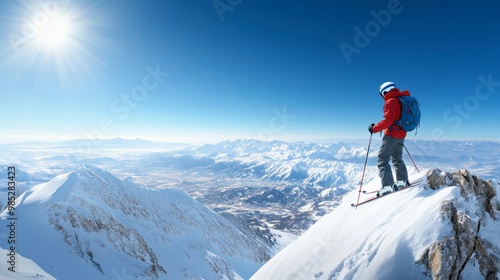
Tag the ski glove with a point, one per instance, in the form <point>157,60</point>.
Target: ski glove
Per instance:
<point>370,128</point>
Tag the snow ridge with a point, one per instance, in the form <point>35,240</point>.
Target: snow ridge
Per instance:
<point>444,229</point>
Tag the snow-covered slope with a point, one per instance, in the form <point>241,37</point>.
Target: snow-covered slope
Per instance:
<point>25,269</point>
<point>87,224</point>
<point>445,228</point>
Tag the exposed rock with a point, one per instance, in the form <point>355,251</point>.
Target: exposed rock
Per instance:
<point>488,258</point>
<point>436,179</point>
<point>447,258</point>
<point>436,259</point>
<point>470,187</point>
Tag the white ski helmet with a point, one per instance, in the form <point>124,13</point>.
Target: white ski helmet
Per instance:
<point>386,87</point>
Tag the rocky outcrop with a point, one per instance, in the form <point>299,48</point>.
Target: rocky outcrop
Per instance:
<point>471,187</point>
<point>447,258</point>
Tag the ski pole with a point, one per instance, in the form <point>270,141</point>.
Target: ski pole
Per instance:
<point>411,159</point>
<point>364,169</point>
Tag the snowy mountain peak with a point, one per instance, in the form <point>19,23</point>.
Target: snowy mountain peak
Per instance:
<point>45,191</point>
<point>60,187</point>
<point>445,228</point>
<point>91,225</point>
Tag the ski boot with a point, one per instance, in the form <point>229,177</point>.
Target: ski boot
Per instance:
<point>387,189</point>
<point>400,184</point>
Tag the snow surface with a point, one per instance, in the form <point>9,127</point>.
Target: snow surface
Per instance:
<point>88,224</point>
<point>25,269</point>
<point>379,240</point>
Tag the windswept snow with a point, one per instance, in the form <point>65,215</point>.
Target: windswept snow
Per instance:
<point>25,269</point>
<point>384,239</point>
<point>45,191</point>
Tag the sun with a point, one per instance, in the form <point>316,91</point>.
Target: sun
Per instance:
<point>56,32</point>
<point>56,40</point>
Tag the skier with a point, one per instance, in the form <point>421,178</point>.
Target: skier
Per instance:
<point>393,140</point>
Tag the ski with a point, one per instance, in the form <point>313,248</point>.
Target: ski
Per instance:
<point>377,197</point>
<point>375,191</point>
<point>370,192</point>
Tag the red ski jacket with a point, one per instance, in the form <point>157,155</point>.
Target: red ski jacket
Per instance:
<point>392,113</point>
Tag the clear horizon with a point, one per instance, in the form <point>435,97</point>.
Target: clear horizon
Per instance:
<point>331,140</point>
<point>208,72</point>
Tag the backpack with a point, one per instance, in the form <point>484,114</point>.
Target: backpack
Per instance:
<point>410,113</point>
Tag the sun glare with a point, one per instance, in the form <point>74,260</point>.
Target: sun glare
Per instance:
<point>57,41</point>
<point>56,33</point>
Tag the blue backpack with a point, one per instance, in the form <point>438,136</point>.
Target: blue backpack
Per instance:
<point>410,113</point>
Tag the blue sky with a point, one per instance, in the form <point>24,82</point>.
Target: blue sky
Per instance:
<point>204,71</point>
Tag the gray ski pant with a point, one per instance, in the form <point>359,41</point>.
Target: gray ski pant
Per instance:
<point>391,148</point>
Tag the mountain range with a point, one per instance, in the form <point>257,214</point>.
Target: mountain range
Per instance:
<point>301,181</point>
<point>264,194</point>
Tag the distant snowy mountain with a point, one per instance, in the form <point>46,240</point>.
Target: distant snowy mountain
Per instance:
<point>301,181</point>
<point>85,145</point>
<point>479,157</point>
<point>446,228</point>
<point>87,224</point>
<point>285,186</point>
<point>307,163</point>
